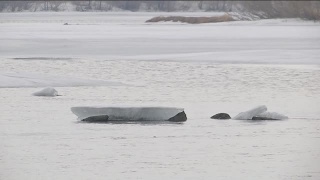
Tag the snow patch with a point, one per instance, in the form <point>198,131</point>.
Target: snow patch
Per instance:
<point>127,113</point>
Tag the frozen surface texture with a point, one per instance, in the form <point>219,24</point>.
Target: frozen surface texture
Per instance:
<point>48,91</point>
<point>250,113</point>
<point>128,113</point>
<point>15,80</point>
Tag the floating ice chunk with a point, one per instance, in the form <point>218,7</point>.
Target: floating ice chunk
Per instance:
<point>271,116</point>
<point>128,113</point>
<point>48,91</point>
<point>251,113</point>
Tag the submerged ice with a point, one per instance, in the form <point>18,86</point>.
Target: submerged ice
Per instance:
<point>128,113</point>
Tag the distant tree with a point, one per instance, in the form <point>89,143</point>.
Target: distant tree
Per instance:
<point>264,9</point>
<point>200,5</point>
<point>89,5</point>
<point>100,7</point>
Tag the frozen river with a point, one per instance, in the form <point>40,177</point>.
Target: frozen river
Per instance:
<point>206,69</point>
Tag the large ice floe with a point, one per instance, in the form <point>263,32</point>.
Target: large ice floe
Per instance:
<point>48,91</point>
<point>87,113</point>
<point>259,113</point>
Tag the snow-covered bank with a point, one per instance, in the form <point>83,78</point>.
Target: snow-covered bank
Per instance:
<point>192,20</point>
<point>15,80</point>
<point>128,113</point>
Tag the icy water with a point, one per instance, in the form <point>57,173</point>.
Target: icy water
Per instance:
<point>40,138</point>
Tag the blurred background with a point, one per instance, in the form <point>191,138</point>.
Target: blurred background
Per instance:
<point>263,9</point>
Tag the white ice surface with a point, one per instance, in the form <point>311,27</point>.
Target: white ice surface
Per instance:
<point>250,113</point>
<point>126,36</point>
<point>272,115</point>
<point>128,113</point>
<point>48,91</point>
<point>10,80</point>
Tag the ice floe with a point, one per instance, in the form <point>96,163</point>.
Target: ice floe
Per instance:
<point>251,113</point>
<point>48,91</point>
<point>128,113</point>
<point>259,113</point>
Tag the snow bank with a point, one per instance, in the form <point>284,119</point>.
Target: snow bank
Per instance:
<point>251,113</point>
<point>128,113</point>
<point>49,91</point>
<point>10,80</point>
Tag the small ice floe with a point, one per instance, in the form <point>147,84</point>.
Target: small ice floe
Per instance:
<point>100,114</point>
<point>251,113</point>
<point>48,91</point>
<point>259,113</point>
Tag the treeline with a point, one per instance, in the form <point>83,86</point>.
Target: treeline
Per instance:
<point>264,9</point>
